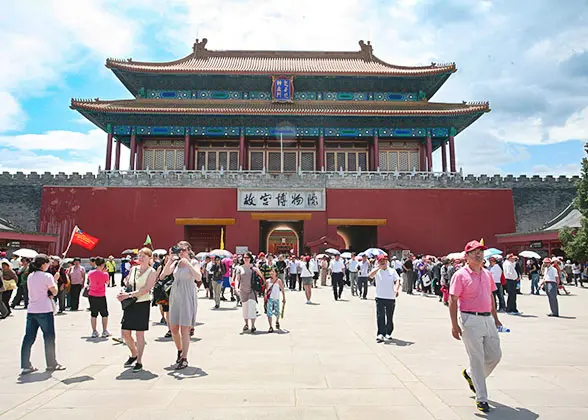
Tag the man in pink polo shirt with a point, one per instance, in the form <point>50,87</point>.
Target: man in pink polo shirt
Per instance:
<point>471,292</point>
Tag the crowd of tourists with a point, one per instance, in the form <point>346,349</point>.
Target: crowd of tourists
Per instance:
<point>48,286</point>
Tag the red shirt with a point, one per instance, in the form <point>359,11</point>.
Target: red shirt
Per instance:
<point>474,290</point>
<point>98,281</point>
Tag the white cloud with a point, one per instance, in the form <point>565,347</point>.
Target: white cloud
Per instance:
<point>56,140</point>
<point>575,128</point>
<point>11,114</point>
<point>569,169</point>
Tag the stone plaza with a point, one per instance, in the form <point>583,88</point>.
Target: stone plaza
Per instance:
<point>325,364</point>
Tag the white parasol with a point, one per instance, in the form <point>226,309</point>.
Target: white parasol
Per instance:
<point>223,253</point>
<point>346,255</point>
<point>160,252</point>
<point>456,256</point>
<point>332,251</point>
<point>26,253</point>
<point>530,254</point>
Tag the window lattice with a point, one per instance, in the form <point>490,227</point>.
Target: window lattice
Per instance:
<point>340,161</point>
<point>274,161</point>
<point>307,161</point>
<point>222,160</point>
<point>211,161</point>
<point>159,156</point>
<point>290,160</point>
<point>330,162</point>
<point>351,162</point>
<point>403,161</point>
<point>362,160</point>
<point>234,161</point>
<point>256,163</point>
<point>201,160</point>
<point>148,159</point>
<point>170,161</point>
<point>414,161</point>
<point>384,164</point>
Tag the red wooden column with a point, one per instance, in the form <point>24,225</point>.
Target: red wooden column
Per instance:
<point>140,147</point>
<point>452,151</point>
<point>193,149</point>
<point>187,149</point>
<point>376,151</point>
<point>429,152</point>
<point>242,149</point>
<point>117,156</point>
<point>133,150</point>
<point>444,155</point>
<point>108,163</point>
<point>422,158</point>
<point>320,161</point>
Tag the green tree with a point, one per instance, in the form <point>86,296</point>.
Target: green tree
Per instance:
<point>575,240</point>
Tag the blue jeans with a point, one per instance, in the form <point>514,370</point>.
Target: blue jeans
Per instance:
<point>535,283</point>
<point>45,321</point>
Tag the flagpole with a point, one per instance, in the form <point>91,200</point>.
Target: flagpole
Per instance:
<point>73,232</point>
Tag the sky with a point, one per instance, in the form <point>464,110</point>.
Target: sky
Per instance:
<point>528,58</point>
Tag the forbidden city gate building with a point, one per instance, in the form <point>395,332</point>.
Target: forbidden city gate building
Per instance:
<point>280,111</point>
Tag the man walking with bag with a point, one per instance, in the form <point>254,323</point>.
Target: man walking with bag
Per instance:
<point>471,293</point>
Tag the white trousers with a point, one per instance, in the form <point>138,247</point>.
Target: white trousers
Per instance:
<point>480,337</point>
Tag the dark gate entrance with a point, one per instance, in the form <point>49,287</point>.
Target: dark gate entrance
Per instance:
<point>360,238</point>
<point>279,237</point>
<point>203,238</point>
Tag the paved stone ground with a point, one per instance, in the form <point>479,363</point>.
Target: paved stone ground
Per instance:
<point>324,365</point>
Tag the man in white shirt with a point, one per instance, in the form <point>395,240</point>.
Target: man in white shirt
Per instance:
<point>353,267</point>
<point>293,272</point>
<point>511,275</point>
<point>387,286</point>
<point>364,273</point>
<point>337,270</point>
<point>551,281</point>
<point>496,272</point>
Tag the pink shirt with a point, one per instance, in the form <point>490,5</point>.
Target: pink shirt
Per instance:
<point>474,290</point>
<point>98,281</point>
<point>38,283</point>
<point>76,274</point>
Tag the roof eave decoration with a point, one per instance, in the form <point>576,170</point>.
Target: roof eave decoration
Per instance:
<point>352,63</point>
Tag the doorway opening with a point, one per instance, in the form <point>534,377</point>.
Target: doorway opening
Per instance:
<point>280,237</point>
<point>204,238</point>
<point>359,238</point>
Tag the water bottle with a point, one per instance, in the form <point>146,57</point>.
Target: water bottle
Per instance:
<point>503,329</point>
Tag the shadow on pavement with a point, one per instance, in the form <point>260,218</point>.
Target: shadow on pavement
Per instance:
<point>34,377</point>
<point>143,375</point>
<point>504,412</point>
<point>399,343</point>
<point>187,373</point>
<point>566,317</point>
<point>220,309</point>
<point>77,380</point>
<point>95,340</point>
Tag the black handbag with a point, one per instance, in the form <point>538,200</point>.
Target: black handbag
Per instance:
<point>128,302</point>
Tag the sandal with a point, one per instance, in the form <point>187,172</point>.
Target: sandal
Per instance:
<point>253,329</point>
<point>182,364</point>
<point>246,328</point>
<point>191,332</point>
<point>179,358</point>
<point>55,368</point>
<point>271,330</point>
<point>277,325</point>
<point>27,371</point>
<point>167,334</point>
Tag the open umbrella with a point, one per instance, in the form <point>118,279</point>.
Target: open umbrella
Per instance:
<point>530,254</point>
<point>129,252</point>
<point>26,253</point>
<point>202,255</point>
<point>456,256</point>
<point>346,255</point>
<point>332,251</point>
<point>320,256</point>
<point>374,252</point>
<point>220,253</point>
<point>491,252</point>
<point>160,252</point>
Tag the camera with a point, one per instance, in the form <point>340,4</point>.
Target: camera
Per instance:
<point>175,250</point>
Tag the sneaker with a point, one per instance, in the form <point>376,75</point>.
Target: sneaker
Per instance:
<point>482,406</point>
<point>271,330</point>
<point>94,334</point>
<point>232,298</point>
<point>308,302</point>
<point>468,379</point>
<point>130,362</point>
<point>162,321</point>
<point>216,306</point>
<point>253,329</point>
<point>380,338</point>
<point>138,367</point>
<point>105,334</point>
<point>277,325</point>
<point>388,337</point>
<point>167,334</point>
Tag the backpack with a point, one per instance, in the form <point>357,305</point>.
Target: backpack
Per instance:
<point>255,282</point>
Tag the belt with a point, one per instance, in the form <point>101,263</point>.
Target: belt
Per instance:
<point>477,313</point>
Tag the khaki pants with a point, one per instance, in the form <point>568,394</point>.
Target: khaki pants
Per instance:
<point>323,276</point>
<point>480,337</point>
<point>217,288</point>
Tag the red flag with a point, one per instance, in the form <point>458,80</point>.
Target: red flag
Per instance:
<point>83,239</point>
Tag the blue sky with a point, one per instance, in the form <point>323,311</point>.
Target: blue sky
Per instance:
<point>529,58</point>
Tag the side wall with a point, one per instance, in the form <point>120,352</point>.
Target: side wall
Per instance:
<point>430,221</point>
<point>21,205</point>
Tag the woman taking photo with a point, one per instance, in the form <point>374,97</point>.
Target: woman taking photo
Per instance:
<point>42,289</point>
<point>139,282</point>
<point>244,278</point>
<point>183,298</point>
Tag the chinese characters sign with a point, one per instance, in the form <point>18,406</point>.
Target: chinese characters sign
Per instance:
<point>263,199</point>
<point>283,89</point>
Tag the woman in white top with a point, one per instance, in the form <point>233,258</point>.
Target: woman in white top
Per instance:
<point>307,279</point>
<point>274,287</point>
<point>139,283</point>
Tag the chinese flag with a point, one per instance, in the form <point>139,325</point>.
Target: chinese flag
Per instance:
<point>83,239</point>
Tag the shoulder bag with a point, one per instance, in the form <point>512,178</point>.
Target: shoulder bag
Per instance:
<point>128,302</point>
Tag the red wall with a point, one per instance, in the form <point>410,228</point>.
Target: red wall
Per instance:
<point>433,221</point>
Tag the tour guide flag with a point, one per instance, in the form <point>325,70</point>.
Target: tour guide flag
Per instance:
<point>83,239</point>
<point>147,241</point>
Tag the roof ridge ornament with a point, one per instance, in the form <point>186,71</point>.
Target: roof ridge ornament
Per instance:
<point>366,50</point>
<point>200,46</point>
